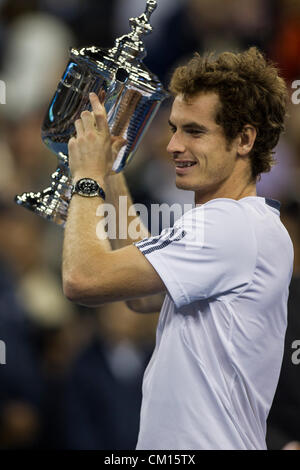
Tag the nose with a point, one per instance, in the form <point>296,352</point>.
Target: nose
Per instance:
<point>175,145</point>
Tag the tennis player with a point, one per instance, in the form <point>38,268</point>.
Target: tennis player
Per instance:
<point>224,268</point>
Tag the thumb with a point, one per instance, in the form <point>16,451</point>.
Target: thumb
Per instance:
<point>118,143</point>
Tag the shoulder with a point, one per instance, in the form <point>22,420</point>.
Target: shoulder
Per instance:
<point>222,226</point>
<point>226,214</point>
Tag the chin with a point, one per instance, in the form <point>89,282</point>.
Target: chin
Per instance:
<point>187,185</point>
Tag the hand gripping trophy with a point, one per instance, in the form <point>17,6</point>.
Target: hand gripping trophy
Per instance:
<point>132,97</point>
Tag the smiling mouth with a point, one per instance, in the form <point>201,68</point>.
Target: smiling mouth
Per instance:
<point>184,164</point>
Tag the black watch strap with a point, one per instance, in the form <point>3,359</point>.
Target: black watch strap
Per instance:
<point>88,187</point>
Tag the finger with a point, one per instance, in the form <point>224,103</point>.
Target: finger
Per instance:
<point>88,121</point>
<point>73,151</point>
<point>79,127</point>
<point>94,119</point>
<point>99,113</point>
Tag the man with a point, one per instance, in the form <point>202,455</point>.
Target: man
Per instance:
<point>225,267</point>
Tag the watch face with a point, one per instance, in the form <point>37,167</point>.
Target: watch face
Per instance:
<point>87,186</point>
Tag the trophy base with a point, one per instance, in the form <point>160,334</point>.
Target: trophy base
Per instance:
<point>52,203</point>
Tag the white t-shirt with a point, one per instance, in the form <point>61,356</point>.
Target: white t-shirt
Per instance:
<point>211,380</point>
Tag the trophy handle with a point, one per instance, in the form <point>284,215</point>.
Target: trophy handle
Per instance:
<point>53,202</point>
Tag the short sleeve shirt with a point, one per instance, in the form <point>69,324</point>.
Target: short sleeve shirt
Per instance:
<point>226,266</point>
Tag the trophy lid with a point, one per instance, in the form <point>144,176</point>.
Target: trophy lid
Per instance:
<point>127,53</point>
<point>131,46</point>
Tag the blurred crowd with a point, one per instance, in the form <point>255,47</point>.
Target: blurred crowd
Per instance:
<point>73,375</point>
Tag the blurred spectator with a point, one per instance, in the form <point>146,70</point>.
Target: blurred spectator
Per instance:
<point>21,384</point>
<point>34,59</point>
<point>294,445</point>
<point>91,20</point>
<point>209,25</point>
<point>285,48</point>
<point>59,347</point>
<point>282,180</point>
<point>41,331</point>
<point>104,389</point>
<point>284,417</point>
<point>9,11</point>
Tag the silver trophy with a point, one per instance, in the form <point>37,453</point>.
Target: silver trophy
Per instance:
<point>131,96</point>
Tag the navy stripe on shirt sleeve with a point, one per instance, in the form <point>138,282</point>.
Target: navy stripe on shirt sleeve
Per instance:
<point>158,243</point>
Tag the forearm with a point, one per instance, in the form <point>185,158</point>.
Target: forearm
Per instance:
<point>84,240</point>
<point>117,188</point>
<point>93,274</point>
<point>118,194</point>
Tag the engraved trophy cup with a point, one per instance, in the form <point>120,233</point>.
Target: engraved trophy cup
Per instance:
<point>132,97</point>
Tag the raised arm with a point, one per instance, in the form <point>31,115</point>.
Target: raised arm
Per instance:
<point>92,272</point>
<point>118,192</point>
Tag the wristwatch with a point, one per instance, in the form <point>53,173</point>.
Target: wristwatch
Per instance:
<point>88,187</point>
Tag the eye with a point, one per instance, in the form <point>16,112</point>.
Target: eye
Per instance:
<point>173,129</point>
<point>194,132</point>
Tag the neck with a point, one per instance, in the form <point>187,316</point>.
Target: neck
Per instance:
<point>232,189</point>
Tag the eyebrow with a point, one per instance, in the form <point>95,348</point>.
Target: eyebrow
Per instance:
<point>190,125</point>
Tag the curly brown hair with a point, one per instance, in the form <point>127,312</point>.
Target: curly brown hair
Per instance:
<point>251,92</point>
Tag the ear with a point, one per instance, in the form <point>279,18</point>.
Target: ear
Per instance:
<point>246,140</point>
